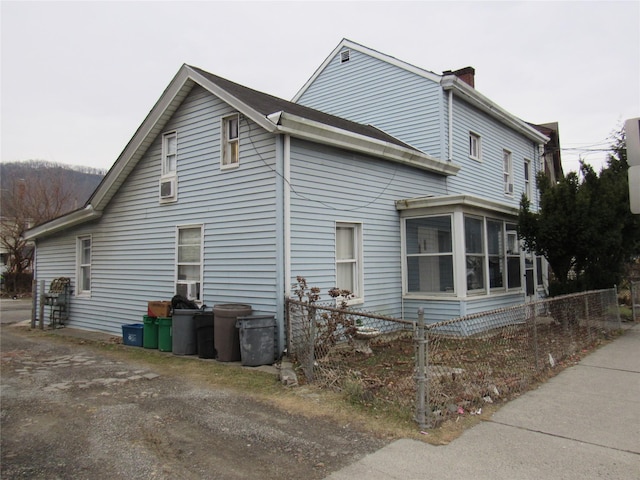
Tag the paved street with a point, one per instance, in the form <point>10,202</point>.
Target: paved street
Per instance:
<point>13,311</point>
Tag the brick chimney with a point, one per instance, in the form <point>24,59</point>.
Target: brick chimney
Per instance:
<point>466,74</point>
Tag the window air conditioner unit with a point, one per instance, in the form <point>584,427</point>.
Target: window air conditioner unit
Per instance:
<point>192,290</point>
<point>167,188</point>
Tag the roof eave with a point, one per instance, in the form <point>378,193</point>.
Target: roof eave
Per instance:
<point>470,201</point>
<point>62,223</point>
<point>472,96</point>
<point>306,129</point>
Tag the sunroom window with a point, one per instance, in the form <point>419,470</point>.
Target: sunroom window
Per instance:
<point>474,250</point>
<point>429,250</point>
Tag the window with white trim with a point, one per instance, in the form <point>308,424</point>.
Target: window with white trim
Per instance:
<point>507,172</point>
<point>230,142</point>
<point>83,265</point>
<point>528,191</point>
<point>189,262</point>
<point>514,276</point>
<point>429,254</point>
<point>475,146</point>
<point>168,177</point>
<point>496,253</point>
<point>349,258</point>
<point>474,251</point>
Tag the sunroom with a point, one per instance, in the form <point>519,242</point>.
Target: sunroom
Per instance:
<point>461,255</point>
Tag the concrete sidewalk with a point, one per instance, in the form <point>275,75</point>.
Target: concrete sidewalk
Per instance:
<point>582,424</point>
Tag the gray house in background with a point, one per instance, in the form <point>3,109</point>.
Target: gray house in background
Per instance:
<point>225,194</point>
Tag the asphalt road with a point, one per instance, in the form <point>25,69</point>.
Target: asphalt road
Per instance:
<point>14,311</point>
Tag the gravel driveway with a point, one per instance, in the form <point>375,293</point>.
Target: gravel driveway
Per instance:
<point>74,411</point>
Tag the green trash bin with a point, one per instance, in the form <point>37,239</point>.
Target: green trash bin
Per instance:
<point>150,335</point>
<point>165,334</point>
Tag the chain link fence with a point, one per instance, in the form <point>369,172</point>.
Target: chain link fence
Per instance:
<point>436,371</point>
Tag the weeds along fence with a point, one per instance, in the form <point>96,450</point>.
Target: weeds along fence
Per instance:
<point>370,357</point>
<point>436,371</point>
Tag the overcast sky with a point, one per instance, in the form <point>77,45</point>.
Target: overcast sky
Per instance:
<point>78,78</point>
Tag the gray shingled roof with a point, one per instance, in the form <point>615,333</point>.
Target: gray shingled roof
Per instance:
<point>268,104</point>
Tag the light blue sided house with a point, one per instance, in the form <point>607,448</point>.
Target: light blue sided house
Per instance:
<point>399,184</point>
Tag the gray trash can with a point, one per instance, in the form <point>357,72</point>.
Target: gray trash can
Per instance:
<point>257,339</point>
<point>185,340</point>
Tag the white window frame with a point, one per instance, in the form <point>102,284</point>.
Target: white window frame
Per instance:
<point>528,190</point>
<point>181,283</point>
<point>423,251</point>
<point>82,265</point>
<point>355,262</point>
<point>475,146</point>
<point>507,167</point>
<point>230,157</point>
<point>169,167</point>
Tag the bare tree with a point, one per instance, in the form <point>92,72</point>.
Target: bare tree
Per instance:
<point>27,202</point>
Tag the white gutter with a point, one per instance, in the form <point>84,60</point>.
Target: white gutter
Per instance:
<point>62,223</point>
<point>471,95</point>
<point>303,128</point>
<point>287,215</point>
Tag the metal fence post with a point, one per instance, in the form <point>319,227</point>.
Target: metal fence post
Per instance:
<point>422,395</point>
<point>34,301</point>
<point>312,344</point>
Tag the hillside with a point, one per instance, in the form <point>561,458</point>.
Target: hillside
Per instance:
<point>47,182</point>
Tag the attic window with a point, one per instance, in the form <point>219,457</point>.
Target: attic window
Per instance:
<point>345,56</point>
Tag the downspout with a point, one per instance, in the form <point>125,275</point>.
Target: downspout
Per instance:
<point>287,214</point>
<point>451,125</point>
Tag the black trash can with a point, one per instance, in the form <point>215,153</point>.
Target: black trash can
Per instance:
<point>257,339</point>
<point>184,332</point>
<point>225,334</point>
<point>204,333</point>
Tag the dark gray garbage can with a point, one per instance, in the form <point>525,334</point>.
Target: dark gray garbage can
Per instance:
<point>226,339</point>
<point>185,340</point>
<point>257,339</point>
<point>204,328</point>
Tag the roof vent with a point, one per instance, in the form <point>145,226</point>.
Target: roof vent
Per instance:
<point>345,56</point>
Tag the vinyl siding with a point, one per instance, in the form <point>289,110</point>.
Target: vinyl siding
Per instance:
<point>134,243</point>
<point>371,91</point>
<point>484,178</point>
<point>321,197</point>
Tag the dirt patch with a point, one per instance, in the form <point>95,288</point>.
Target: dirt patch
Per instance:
<point>73,411</point>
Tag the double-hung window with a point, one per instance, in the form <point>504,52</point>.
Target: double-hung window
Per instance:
<point>528,191</point>
<point>83,262</point>
<point>507,172</point>
<point>189,262</point>
<point>429,254</point>
<point>349,258</point>
<point>475,146</point>
<point>168,177</point>
<point>230,142</point>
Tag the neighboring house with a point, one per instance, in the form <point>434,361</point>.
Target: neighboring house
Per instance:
<point>225,194</point>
